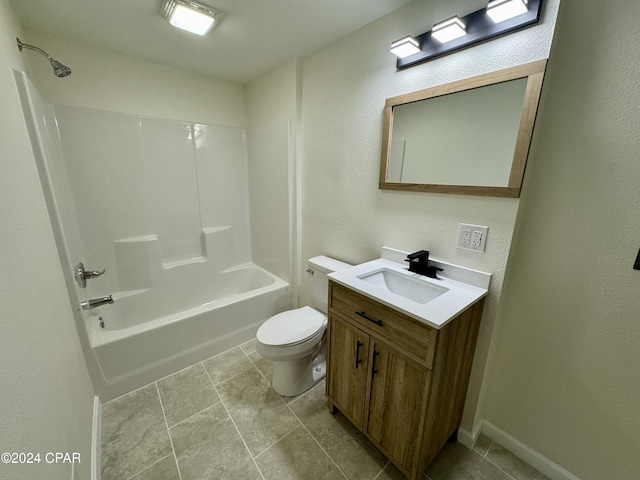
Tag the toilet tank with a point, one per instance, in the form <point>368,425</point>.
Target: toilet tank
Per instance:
<point>317,272</point>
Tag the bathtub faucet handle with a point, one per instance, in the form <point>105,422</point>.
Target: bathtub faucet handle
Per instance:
<point>81,275</point>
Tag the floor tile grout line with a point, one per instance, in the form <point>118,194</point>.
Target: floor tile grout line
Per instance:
<point>486,457</point>
<point>232,376</point>
<point>195,414</point>
<point>488,448</point>
<point>236,427</point>
<point>256,366</point>
<point>382,470</point>
<point>316,440</point>
<point>511,477</point>
<point>166,423</point>
<point>179,371</point>
<point>285,435</point>
<point>247,353</point>
<point>265,377</point>
<point>303,394</point>
<point>296,398</point>
<point>175,373</point>
<point>154,463</point>
<point>297,418</point>
<point>300,423</point>
<point>126,394</point>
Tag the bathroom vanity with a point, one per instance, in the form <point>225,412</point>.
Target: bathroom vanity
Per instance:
<point>399,379</point>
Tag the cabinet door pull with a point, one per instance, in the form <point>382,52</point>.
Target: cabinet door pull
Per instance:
<point>373,365</point>
<point>371,319</point>
<point>358,345</point>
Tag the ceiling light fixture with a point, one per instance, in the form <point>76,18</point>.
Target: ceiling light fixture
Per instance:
<point>405,47</point>
<point>457,33</point>
<point>192,16</point>
<point>449,30</point>
<point>502,10</point>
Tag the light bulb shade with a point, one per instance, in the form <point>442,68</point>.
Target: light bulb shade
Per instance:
<point>449,29</point>
<point>501,10</point>
<point>405,47</point>
<point>190,15</point>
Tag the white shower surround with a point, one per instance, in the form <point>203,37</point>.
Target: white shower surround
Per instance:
<point>135,177</point>
<point>163,205</point>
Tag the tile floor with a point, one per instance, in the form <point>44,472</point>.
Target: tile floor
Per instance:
<point>220,419</point>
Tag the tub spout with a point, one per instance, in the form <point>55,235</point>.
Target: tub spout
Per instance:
<point>96,302</point>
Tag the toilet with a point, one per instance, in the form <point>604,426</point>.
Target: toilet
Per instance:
<point>295,340</point>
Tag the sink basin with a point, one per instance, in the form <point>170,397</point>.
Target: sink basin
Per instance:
<point>388,281</point>
<point>412,288</point>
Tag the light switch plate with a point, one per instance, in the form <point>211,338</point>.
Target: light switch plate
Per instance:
<point>472,237</point>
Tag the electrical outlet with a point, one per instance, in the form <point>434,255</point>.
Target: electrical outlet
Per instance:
<point>466,236</point>
<point>472,237</point>
<point>476,239</point>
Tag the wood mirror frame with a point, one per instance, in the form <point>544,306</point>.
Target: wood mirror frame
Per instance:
<point>533,72</point>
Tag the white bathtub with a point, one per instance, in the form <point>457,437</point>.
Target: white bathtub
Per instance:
<point>134,349</point>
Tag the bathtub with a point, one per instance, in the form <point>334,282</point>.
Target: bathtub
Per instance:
<point>134,349</point>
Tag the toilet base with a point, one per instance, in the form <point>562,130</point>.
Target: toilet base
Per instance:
<point>293,377</point>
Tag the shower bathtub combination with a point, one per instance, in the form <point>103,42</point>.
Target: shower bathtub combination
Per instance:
<point>163,206</point>
<point>192,311</point>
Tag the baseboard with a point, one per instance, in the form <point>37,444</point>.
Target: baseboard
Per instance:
<point>467,438</point>
<point>96,436</point>
<point>523,451</point>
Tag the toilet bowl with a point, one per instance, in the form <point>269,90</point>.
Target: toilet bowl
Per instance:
<point>295,340</point>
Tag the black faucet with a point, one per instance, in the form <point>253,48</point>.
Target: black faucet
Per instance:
<point>419,263</point>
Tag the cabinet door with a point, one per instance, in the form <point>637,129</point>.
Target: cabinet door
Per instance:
<point>398,391</point>
<point>347,376</point>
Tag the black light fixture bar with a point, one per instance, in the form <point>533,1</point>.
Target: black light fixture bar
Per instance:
<point>479,29</point>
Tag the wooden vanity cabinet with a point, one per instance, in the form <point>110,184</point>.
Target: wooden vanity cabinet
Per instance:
<point>399,381</point>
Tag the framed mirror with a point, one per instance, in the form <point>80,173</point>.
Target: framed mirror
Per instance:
<point>469,137</point>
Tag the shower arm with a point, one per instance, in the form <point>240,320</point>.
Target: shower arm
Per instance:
<point>31,47</point>
<point>60,70</point>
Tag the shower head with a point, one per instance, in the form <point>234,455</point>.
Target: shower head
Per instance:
<point>60,70</point>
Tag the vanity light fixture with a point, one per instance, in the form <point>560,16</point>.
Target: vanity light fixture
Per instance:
<point>449,30</point>
<point>497,18</point>
<point>503,10</point>
<point>405,47</point>
<point>190,15</point>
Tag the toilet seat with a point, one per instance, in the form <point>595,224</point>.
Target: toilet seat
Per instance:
<point>291,327</point>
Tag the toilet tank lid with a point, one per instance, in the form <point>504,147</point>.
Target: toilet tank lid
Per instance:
<point>327,264</point>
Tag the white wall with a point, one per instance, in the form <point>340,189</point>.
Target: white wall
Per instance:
<point>46,400</point>
<point>344,214</point>
<point>564,375</point>
<point>109,81</point>
<point>275,95</point>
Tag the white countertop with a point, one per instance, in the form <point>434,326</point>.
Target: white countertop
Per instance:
<point>435,313</point>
